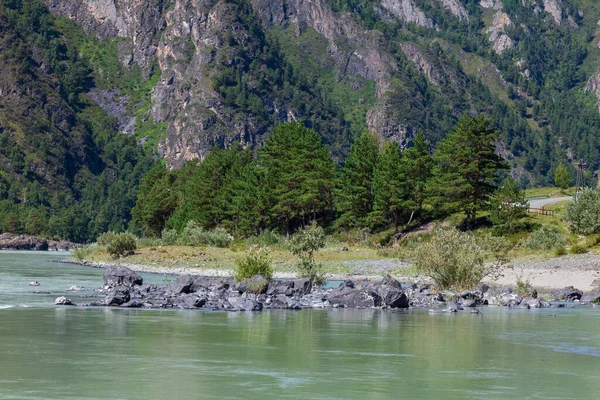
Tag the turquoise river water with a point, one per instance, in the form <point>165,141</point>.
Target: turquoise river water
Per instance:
<point>49,352</point>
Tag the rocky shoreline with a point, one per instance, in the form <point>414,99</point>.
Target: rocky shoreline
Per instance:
<point>123,287</point>
<point>11,241</point>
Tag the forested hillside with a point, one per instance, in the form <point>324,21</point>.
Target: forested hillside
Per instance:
<point>94,93</point>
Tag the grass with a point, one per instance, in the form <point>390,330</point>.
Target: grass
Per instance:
<point>332,258</point>
<point>550,192</point>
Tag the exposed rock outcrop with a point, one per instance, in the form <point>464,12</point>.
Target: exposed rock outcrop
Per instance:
<point>554,8</point>
<point>456,8</point>
<point>10,241</point>
<point>501,40</point>
<point>491,4</point>
<point>407,11</point>
<point>593,85</point>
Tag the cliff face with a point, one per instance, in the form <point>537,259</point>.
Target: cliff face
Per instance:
<point>215,58</point>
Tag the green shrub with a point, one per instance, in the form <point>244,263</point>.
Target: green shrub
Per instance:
<point>546,237</point>
<point>169,237</point>
<point>583,214</point>
<point>82,253</point>
<point>523,288</point>
<point>458,260</point>
<point>106,238</point>
<point>304,244</point>
<point>560,251</point>
<point>122,244</point>
<point>256,262</point>
<point>194,235</point>
<point>579,249</point>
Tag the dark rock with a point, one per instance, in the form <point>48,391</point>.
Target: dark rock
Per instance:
<point>280,301</point>
<point>468,303</point>
<point>389,281</point>
<point>302,287</point>
<point>183,285</point>
<point>257,284</point>
<point>244,303</point>
<point>482,288</point>
<point>121,276</point>
<point>63,301</point>
<point>510,300</point>
<point>453,307</point>
<point>133,303</point>
<point>194,301</point>
<point>116,296</point>
<point>279,287</point>
<point>354,298</point>
<point>40,292</point>
<point>392,296</point>
<point>591,297</point>
<point>347,284</point>
<point>568,294</point>
<point>533,302</point>
<point>20,242</point>
<point>345,248</point>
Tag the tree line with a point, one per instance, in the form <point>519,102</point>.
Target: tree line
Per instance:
<point>292,181</point>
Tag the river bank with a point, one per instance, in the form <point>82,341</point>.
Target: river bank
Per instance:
<point>11,241</point>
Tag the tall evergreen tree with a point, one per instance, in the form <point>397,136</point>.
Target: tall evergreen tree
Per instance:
<point>562,178</point>
<point>390,184</point>
<point>466,172</point>
<point>354,195</point>
<point>418,168</point>
<point>300,174</point>
<point>508,205</point>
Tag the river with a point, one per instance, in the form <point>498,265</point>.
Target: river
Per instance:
<point>49,352</point>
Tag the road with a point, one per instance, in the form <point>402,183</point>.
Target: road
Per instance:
<point>539,203</point>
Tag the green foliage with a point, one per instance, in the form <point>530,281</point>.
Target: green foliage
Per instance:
<point>169,237</point>
<point>457,260</point>
<point>562,178</point>
<point>390,184</point>
<point>121,244</point>
<point>267,238</point>
<point>467,167</point>
<point>83,252</point>
<point>418,165</point>
<point>194,235</point>
<point>300,174</point>
<point>583,214</point>
<point>106,238</point>
<point>256,262</point>
<point>560,251</point>
<point>546,237</point>
<point>354,194</point>
<point>304,244</point>
<point>508,205</point>
<point>579,249</point>
<point>523,287</point>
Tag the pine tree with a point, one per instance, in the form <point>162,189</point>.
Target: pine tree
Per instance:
<point>354,196</point>
<point>390,184</point>
<point>508,205</point>
<point>418,167</point>
<point>562,178</point>
<point>300,174</point>
<point>467,167</point>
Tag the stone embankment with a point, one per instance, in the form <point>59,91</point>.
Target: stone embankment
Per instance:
<point>11,241</point>
<point>125,288</point>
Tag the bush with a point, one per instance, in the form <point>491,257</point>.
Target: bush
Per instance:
<point>457,260</point>
<point>194,235</point>
<point>523,288</point>
<point>122,244</point>
<point>304,244</point>
<point>560,251</point>
<point>583,214</point>
<point>106,238</point>
<point>546,237</point>
<point>579,249</point>
<point>256,262</point>
<point>169,237</point>
<point>83,252</point>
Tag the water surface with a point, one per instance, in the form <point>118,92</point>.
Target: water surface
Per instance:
<point>49,352</point>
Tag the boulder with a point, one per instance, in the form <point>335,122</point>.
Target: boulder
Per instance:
<point>302,287</point>
<point>347,284</point>
<point>121,276</point>
<point>63,301</point>
<point>591,297</point>
<point>243,303</point>
<point>183,285</point>
<point>34,283</point>
<point>354,298</point>
<point>392,296</point>
<point>279,287</point>
<point>77,288</point>
<point>257,284</point>
<point>389,281</point>
<point>510,299</point>
<point>193,301</point>
<point>133,303</point>
<point>533,302</point>
<point>568,294</point>
<point>117,296</point>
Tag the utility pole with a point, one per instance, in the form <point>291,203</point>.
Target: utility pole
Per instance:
<point>580,179</point>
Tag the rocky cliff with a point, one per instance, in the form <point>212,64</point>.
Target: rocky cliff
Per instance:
<point>423,59</point>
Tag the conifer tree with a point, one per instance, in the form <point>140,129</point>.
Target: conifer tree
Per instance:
<point>390,184</point>
<point>300,174</point>
<point>467,166</point>
<point>508,205</point>
<point>354,195</point>
<point>418,168</point>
